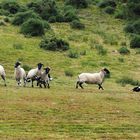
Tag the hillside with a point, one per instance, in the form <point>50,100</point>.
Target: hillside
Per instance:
<point>63,112</point>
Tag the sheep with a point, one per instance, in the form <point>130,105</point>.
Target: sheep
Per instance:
<point>44,78</point>
<point>92,78</point>
<point>19,74</point>
<point>2,73</point>
<point>136,89</point>
<point>33,73</point>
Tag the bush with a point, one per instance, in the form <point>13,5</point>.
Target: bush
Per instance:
<point>45,8</point>
<point>2,23</point>
<point>76,24</point>
<point>109,10</point>
<point>100,49</point>
<point>105,3</point>
<point>33,27</point>
<point>11,6</point>
<point>26,67</point>
<point>21,17</point>
<point>121,60</point>
<point>4,12</point>
<point>46,25</point>
<point>54,44</point>
<point>135,42</point>
<point>127,80</point>
<point>6,19</point>
<point>18,46</point>
<point>77,3</point>
<point>73,54</point>
<point>69,73</point>
<point>120,14</point>
<point>123,50</point>
<point>84,52</point>
<point>133,27</point>
<point>70,14</point>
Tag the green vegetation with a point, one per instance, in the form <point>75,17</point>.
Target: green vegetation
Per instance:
<point>124,50</point>
<point>127,80</point>
<point>33,27</point>
<point>77,3</point>
<point>63,112</point>
<point>76,24</point>
<point>54,44</point>
<point>135,42</point>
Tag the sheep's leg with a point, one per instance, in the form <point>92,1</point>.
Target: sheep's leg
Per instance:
<point>44,85</point>
<point>24,79</point>
<point>80,84</point>
<point>77,84</point>
<point>3,77</point>
<point>48,85</point>
<point>32,83</point>
<point>40,85</point>
<point>100,87</point>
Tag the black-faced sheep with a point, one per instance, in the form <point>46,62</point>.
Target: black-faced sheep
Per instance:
<point>34,73</point>
<point>19,74</point>
<point>44,78</point>
<point>92,78</point>
<point>2,73</point>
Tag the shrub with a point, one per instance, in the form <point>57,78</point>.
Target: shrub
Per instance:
<point>76,24</point>
<point>26,67</point>
<point>138,51</point>
<point>127,80</point>
<point>69,73</point>
<point>6,19</point>
<point>2,23</point>
<point>18,46</point>
<point>100,49</point>
<point>109,10</point>
<point>54,44</point>
<point>135,42</point>
<point>21,17</point>
<point>70,14</point>
<point>133,27</point>
<point>124,50</point>
<point>77,3</point>
<point>4,12</point>
<point>121,60</point>
<point>120,14</point>
<point>33,27</point>
<point>105,3</point>
<point>11,6</point>
<point>45,8</point>
<point>46,25</point>
<point>73,54</point>
<point>84,52</point>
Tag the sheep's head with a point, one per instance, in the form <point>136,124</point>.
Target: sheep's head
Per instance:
<point>47,69</point>
<point>17,64</point>
<point>106,71</point>
<point>39,66</point>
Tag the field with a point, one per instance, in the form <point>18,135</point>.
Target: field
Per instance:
<point>63,112</point>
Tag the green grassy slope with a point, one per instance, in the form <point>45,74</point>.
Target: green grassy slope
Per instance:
<point>63,112</point>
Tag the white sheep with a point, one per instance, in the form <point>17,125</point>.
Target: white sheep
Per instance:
<point>92,78</point>
<point>33,73</point>
<point>2,73</point>
<point>44,78</point>
<point>19,74</point>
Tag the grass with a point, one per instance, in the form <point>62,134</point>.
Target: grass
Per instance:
<point>77,114</point>
<point>62,112</point>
